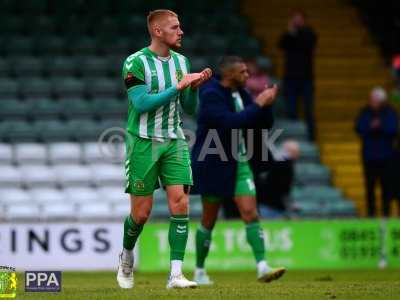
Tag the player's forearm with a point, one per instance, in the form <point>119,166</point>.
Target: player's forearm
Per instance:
<point>189,100</point>
<point>145,102</point>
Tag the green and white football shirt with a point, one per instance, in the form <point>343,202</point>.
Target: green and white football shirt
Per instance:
<point>158,74</point>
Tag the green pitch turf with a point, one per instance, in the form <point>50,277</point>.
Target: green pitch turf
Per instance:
<point>302,285</point>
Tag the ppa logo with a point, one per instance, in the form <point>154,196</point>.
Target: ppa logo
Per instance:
<point>42,281</point>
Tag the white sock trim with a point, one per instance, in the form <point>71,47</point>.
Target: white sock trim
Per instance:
<point>176,268</point>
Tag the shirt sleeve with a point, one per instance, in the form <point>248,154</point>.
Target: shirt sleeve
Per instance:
<point>133,72</point>
<point>189,96</point>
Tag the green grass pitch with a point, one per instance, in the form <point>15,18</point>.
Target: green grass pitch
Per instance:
<point>302,285</point>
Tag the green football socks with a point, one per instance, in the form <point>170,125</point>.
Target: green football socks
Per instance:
<point>255,238</point>
<point>178,235</point>
<point>203,241</point>
<point>131,232</point>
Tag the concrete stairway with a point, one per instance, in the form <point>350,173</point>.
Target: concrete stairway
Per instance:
<point>347,66</point>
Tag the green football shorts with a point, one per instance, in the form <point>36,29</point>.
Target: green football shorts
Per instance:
<point>149,161</point>
<point>244,185</point>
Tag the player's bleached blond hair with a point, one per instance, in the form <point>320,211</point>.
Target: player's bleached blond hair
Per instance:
<point>157,15</point>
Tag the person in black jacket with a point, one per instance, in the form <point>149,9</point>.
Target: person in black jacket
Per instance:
<point>377,126</point>
<point>222,158</point>
<point>298,44</point>
<point>273,187</point>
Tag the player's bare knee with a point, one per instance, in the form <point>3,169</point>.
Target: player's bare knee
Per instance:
<point>180,203</point>
<point>208,223</point>
<point>141,217</point>
<point>249,215</point>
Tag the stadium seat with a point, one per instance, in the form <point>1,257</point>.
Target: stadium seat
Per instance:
<point>8,88</point>
<point>52,131</point>
<point>23,212</point>
<point>44,108</point>
<point>84,130</point>
<point>82,45</point>
<point>100,87</point>
<point>35,87</point>
<point>61,66</point>
<point>14,196</point>
<point>121,210</point>
<point>78,108</point>
<point>47,195</point>
<point>5,68</point>
<point>80,195</point>
<point>73,175</point>
<point>19,45</point>
<point>92,152</point>
<point>64,153</point>
<point>17,131</point>
<point>11,24</point>
<point>310,173</point>
<point>95,210</point>
<point>10,176</point>
<point>113,195</point>
<point>49,45</point>
<point>30,153</point>
<point>27,66</point>
<point>108,175</point>
<point>316,194</point>
<point>291,129</point>
<point>93,66</point>
<point>107,108</point>
<point>13,110</point>
<point>68,87</point>
<point>308,152</point>
<point>57,211</point>
<point>38,176</point>
<point>6,154</point>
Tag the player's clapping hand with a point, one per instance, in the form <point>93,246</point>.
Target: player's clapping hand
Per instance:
<point>267,97</point>
<point>205,75</point>
<point>187,80</point>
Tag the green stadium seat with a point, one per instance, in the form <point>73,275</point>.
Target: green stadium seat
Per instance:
<point>27,66</point>
<point>316,194</point>
<point>33,7</point>
<point>18,131</point>
<point>83,45</point>
<point>115,64</point>
<point>13,110</point>
<point>5,68</point>
<point>76,109</point>
<point>99,87</point>
<point>291,129</point>
<point>109,108</point>
<point>52,131</point>
<point>61,66</point>
<point>49,44</point>
<point>308,152</point>
<point>18,45</point>
<point>35,87</point>
<point>45,109</point>
<point>68,87</point>
<point>8,88</point>
<point>342,208</point>
<point>85,130</point>
<point>43,25</point>
<point>121,46</point>
<point>11,24</point>
<point>309,173</point>
<point>93,66</point>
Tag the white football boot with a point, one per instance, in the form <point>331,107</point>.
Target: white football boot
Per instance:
<point>201,277</point>
<point>180,282</point>
<point>125,271</point>
<point>270,274</point>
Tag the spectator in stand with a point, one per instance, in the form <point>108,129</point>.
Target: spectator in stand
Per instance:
<point>298,44</point>
<point>377,126</point>
<point>273,187</point>
<point>258,75</point>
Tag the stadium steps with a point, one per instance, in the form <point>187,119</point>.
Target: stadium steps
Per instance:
<point>347,66</point>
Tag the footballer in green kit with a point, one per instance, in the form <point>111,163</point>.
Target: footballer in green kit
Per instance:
<point>158,81</point>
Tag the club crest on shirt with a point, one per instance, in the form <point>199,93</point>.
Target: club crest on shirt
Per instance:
<point>179,75</point>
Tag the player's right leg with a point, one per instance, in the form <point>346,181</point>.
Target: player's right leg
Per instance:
<point>133,225</point>
<point>141,168</point>
<point>209,217</point>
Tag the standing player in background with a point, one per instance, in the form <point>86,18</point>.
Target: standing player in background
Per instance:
<point>225,105</point>
<point>157,80</point>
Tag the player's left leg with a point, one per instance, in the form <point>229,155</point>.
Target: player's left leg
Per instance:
<point>245,199</point>
<point>176,176</point>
